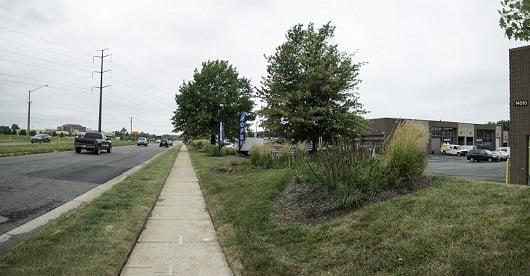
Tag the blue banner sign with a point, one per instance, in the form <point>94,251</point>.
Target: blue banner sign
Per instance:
<point>242,125</point>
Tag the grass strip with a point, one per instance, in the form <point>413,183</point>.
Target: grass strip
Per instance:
<point>25,149</point>
<point>96,238</point>
<point>455,226</point>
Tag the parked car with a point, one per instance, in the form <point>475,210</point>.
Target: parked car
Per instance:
<point>142,141</point>
<point>504,152</point>
<point>482,155</point>
<point>41,138</point>
<point>453,150</point>
<point>94,142</point>
<point>164,143</point>
<point>170,143</point>
<point>157,141</point>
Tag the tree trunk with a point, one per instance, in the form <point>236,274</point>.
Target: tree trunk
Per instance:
<point>212,139</point>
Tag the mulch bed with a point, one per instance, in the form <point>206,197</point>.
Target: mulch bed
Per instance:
<point>300,203</point>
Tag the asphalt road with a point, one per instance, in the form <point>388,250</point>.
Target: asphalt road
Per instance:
<point>32,185</point>
<point>461,167</point>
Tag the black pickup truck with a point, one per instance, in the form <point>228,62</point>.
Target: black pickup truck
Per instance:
<point>94,142</point>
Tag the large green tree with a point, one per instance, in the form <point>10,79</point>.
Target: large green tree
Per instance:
<point>310,89</point>
<point>216,92</point>
<point>515,19</point>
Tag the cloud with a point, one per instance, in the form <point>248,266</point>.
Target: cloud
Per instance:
<point>426,59</point>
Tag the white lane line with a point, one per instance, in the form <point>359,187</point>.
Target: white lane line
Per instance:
<point>3,219</point>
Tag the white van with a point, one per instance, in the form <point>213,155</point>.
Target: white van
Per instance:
<point>453,150</point>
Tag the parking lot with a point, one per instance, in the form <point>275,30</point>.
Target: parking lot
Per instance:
<point>461,167</point>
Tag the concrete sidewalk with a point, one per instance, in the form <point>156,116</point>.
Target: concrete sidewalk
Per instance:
<point>178,237</point>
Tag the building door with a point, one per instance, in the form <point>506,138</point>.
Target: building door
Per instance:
<point>461,140</point>
<point>469,141</point>
<point>436,142</point>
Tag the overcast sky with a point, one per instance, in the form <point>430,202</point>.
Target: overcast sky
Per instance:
<point>439,60</point>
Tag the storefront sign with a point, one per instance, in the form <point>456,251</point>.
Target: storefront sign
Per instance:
<point>520,103</point>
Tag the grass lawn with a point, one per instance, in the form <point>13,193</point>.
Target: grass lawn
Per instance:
<point>66,144</point>
<point>26,139</point>
<point>94,239</point>
<point>453,227</point>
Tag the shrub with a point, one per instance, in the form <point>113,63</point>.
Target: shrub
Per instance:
<point>198,144</point>
<point>227,151</point>
<point>354,175</point>
<point>212,150</point>
<point>284,157</point>
<point>261,156</point>
<point>405,154</point>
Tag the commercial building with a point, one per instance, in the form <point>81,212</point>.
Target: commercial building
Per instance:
<point>484,136</point>
<point>519,114</point>
<point>72,128</point>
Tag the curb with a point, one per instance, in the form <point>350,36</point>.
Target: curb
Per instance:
<point>72,204</point>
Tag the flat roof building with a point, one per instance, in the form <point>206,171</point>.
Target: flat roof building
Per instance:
<point>484,136</point>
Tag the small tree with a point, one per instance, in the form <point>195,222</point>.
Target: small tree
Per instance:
<point>217,92</point>
<point>14,128</point>
<point>32,132</point>
<point>54,133</point>
<point>310,88</point>
<point>61,135</point>
<point>515,19</point>
<point>22,132</point>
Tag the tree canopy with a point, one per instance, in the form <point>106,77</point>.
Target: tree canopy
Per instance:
<point>216,92</point>
<point>515,19</point>
<point>311,88</point>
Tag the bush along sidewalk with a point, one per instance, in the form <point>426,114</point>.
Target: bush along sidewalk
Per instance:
<point>356,177</point>
<point>96,238</point>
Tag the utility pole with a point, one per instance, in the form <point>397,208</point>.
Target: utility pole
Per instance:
<point>131,118</point>
<point>101,57</point>
<point>28,129</point>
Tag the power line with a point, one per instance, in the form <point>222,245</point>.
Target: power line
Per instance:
<point>44,60</point>
<point>41,49</point>
<point>31,65</point>
<point>45,40</point>
<point>58,83</point>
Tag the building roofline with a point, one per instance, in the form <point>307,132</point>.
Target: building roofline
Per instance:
<point>516,49</point>
<point>392,118</point>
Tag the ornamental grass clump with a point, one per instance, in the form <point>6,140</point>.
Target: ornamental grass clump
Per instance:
<point>261,156</point>
<point>351,173</point>
<point>404,155</point>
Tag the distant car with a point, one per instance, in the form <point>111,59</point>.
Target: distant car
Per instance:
<point>142,141</point>
<point>94,142</point>
<point>164,143</point>
<point>478,155</point>
<point>504,152</point>
<point>170,143</point>
<point>40,138</point>
<point>453,150</point>
<point>157,141</point>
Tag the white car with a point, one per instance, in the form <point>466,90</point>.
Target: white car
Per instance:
<point>453,150</point>
<point>142,141</point>
<point>503,152</point>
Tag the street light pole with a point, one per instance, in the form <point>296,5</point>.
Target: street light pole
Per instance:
<point>29,106</point>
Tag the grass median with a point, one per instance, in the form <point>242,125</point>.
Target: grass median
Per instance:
<point>454,226</point>
<point>96,238</point>
<point>64,145</point>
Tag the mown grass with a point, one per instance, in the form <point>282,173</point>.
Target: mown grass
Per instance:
<point>4,138</point>
<point>453,227</point>
<point>64,145</point>
<point>94,239</point>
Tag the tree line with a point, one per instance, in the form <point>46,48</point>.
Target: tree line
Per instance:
<point>310,91</point>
